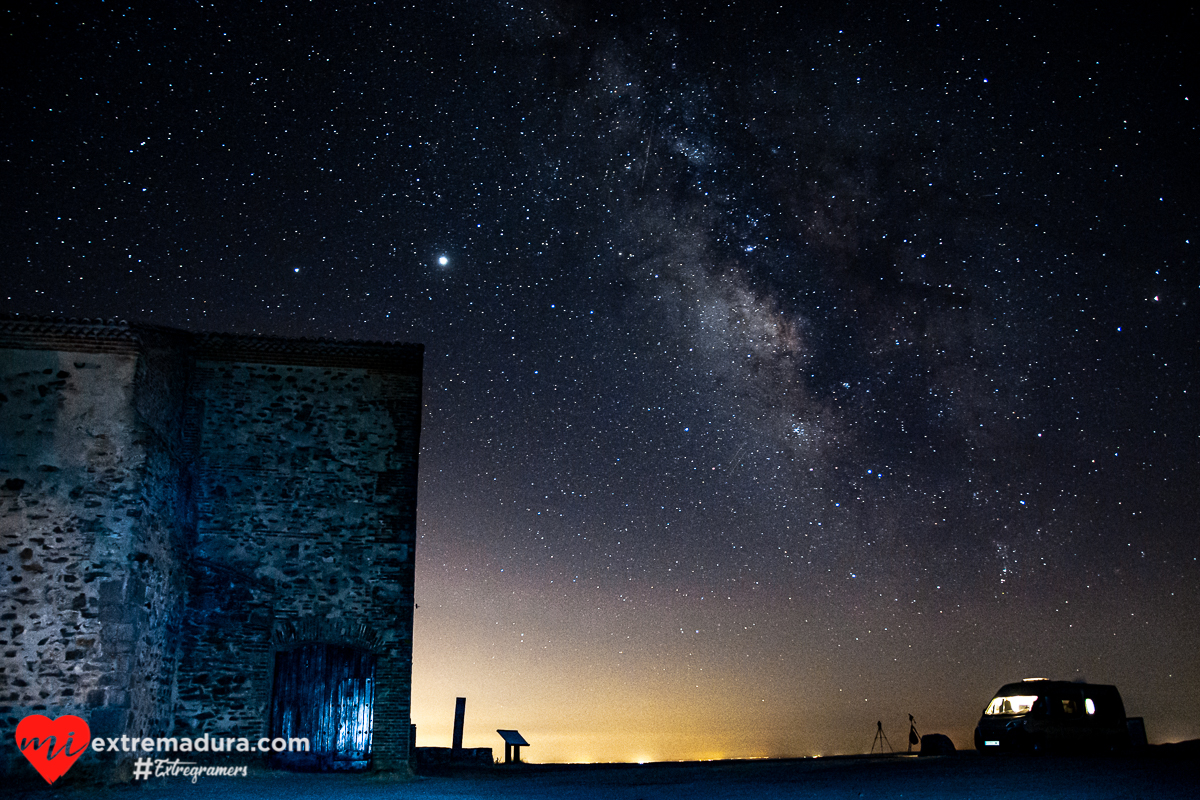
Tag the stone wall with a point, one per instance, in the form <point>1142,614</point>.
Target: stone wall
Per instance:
<point>177,508</point>
<point>91,577</point>
<point>305,500</point>
<point>155,591</point>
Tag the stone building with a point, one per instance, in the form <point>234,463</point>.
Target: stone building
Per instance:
<point>208,533</point>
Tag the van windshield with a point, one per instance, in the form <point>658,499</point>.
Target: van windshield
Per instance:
<point>1011,704</point>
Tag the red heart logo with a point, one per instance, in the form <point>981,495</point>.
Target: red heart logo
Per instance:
<point>50,745</point>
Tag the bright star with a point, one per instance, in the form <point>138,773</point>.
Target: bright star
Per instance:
<point>443,261</point>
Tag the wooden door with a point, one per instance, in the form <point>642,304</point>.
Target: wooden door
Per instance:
<point>326,694</point>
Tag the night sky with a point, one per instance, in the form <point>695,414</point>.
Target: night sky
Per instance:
<point>788,369</point>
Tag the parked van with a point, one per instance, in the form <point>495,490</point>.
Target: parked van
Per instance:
<point>1037,715</point>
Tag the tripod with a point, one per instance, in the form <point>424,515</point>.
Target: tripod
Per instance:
<point>913,736</point>
<point>880,739</point>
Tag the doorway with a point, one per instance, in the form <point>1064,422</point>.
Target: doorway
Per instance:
<point>326,694</point>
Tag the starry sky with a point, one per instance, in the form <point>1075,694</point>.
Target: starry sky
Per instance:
<point>789,368</point>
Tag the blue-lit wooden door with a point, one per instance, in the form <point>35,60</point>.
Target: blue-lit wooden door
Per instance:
<point>325,694</point>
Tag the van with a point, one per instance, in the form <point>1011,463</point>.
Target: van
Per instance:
<point>1038,715</point>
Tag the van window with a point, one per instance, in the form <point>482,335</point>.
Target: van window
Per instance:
<point>1012,704</point>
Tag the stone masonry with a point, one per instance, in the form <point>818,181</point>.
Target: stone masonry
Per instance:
<point>178,508</point>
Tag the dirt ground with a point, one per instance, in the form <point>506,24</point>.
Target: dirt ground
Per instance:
<point>1157,774</point>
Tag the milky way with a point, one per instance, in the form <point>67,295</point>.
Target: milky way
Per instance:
<point>786,371</point>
